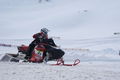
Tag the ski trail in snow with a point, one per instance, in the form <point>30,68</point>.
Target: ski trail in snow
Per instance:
<point>100,41</point>
<point>88,43</point>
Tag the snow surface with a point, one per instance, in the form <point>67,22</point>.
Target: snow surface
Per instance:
<point>85,29</point>
<point>84,71</point>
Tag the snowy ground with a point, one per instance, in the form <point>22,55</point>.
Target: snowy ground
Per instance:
<point>102,64</point>
<point>84,71</point>
<point>86,30</point>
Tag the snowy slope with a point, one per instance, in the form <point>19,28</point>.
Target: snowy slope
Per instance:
<point>97,49</point>
<point>65,18</point>
<point>85,28</point>
<point>80,24</point>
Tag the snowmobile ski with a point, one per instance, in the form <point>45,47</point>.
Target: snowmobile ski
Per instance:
<point>60,62</point>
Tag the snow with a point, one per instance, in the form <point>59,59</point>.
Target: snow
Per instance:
<point>96,64</point>
<point>85,29</point>
<point>84,71</point>
<point>89,19</point>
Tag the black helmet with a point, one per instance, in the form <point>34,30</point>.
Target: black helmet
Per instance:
<point>44,30</point>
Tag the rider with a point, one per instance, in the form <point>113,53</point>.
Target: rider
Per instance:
<point>42,37</point>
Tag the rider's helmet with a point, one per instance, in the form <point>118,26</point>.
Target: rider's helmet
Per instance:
<point>44,30</point>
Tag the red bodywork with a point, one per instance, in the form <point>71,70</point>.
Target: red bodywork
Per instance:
<point>37,54</point>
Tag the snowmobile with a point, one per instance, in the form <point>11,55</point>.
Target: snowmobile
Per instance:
<point>40,54</point>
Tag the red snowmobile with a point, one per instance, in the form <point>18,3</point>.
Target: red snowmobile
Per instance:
<point>39,55</point>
